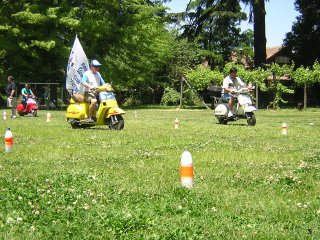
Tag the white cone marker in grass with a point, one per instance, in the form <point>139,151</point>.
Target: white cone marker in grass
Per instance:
<point>8,141</point>
<point>176,123</point>
<point>186,170</point>
<point>48,117</point>
<point>135,114</point>
<point>4,115</point>
<point>284,128</point>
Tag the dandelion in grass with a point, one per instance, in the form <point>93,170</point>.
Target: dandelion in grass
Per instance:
<point>180,207</point>
<point>19,220</point>
<point>86,207</point>
<point>94,201</point>
<point>32,228</point>
<point>19,198</point>
<point>10,220</point>
<point>36,212</point>
<point>214,209</point>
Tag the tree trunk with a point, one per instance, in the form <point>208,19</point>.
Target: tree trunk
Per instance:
<point>275,91</point>
<point>259,27</point>
<point>181,92</point>
<point>305,97</point>
<point>257,96</point>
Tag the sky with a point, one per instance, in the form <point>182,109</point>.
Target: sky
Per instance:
<point>279,18</point>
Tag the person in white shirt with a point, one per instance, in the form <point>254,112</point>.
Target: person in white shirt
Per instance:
<point>230,84</point>
<point>91,80</point>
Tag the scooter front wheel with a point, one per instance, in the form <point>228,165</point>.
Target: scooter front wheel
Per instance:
<point>116,122</point>
<point>34,112</point>
<point>251,119</point>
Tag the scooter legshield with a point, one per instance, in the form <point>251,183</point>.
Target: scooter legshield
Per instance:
<point>115,111</point>
<point>250,109</point>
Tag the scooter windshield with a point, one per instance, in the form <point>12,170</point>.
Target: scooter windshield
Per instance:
<point>106,96</point>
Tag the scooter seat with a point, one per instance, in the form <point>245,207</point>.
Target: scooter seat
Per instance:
<point>78,98</point>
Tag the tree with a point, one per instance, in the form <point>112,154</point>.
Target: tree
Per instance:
<point>215,25</point>
<point>259,28</point>
<point>303,42</point>
<point>129,37</point>
<point>32,38</point>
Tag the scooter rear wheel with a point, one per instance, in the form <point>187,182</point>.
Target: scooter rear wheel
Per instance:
<point>21,113</point>
<point>222,121</point>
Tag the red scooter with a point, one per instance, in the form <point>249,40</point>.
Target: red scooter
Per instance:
<point>31,107</point>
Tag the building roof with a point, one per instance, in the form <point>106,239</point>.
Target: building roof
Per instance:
<point>271,51</point>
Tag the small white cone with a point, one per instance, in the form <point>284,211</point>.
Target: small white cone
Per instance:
<point>48,117</point>
<point>176,123</point>
<point>135,114</point>
<point>8,139</point>
<point>186,170</point>
<point>284,129</point>
<point>4,115</point>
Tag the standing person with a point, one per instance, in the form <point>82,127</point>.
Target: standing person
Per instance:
<point>91,80</point>
<point>12,96</point>
<point>26,92</point>
<point>230,84</point>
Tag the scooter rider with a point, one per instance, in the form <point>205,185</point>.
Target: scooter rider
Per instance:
<point>230,84</point>
<point>91,80</point>
<point>26,92</point>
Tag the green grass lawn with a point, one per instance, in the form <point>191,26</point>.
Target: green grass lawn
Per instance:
<point>249,182</point>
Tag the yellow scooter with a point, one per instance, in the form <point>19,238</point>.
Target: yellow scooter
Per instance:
<point>108,112</point>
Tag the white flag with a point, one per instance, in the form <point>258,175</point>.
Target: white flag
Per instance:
<point>77,65</point>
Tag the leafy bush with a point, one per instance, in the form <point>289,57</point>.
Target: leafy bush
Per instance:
<point>201,78</point>
<point>170,97</point>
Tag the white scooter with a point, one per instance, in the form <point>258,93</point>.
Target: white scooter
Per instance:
<point>242,109</point>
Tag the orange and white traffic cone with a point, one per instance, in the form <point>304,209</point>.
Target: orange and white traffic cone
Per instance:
<point>186,170</point>
<point>4,115</point>
<point>8,141</point>
<point>48,117</point>
<point>284,129</point>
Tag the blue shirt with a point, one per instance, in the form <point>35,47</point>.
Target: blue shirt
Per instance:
<point>26,91</point>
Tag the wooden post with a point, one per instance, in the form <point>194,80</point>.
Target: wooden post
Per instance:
<point>196,94</point>
<point>257,97</point>
<point>275,90</point>
<point>305,97</point>
<point>61,92</point>
<point>181,92</point>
